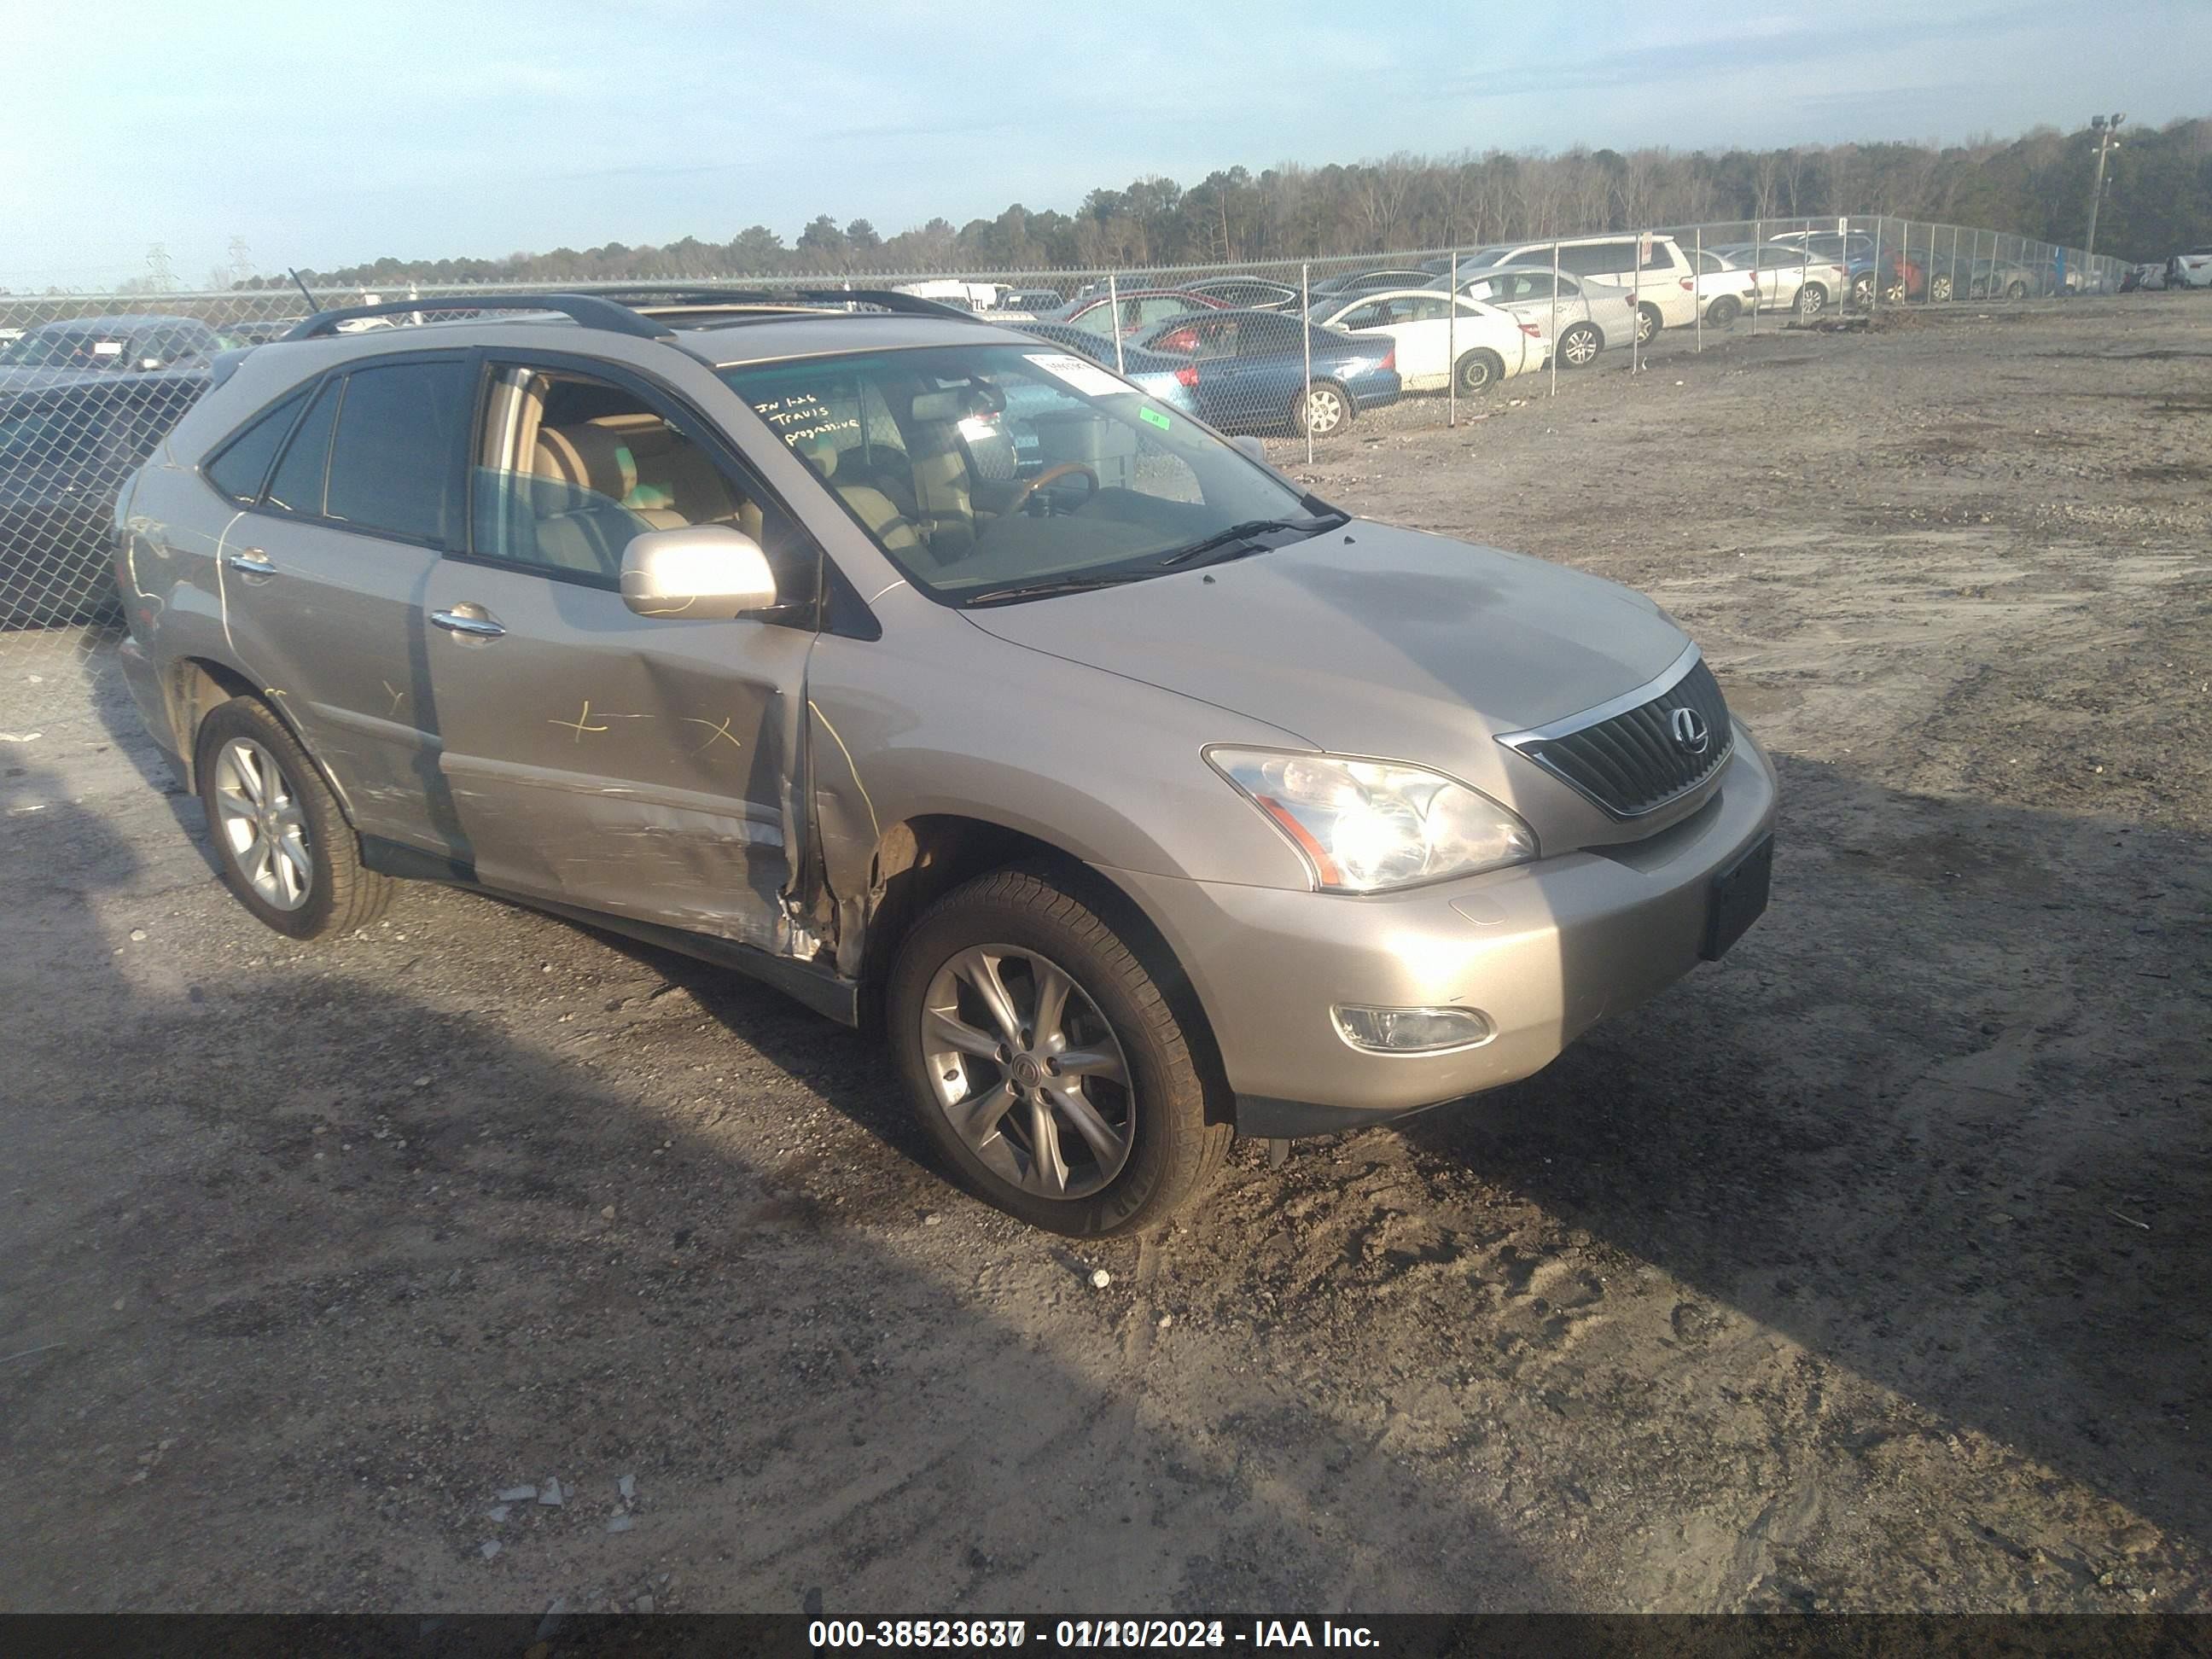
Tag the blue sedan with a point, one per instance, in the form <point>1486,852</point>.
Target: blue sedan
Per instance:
<point>1252,370</point>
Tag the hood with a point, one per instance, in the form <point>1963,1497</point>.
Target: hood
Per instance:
<point>1370,641</point>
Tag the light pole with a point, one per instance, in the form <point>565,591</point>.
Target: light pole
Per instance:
<point>2107,129</point>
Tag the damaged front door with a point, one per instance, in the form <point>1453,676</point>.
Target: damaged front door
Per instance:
<point>639,766</point>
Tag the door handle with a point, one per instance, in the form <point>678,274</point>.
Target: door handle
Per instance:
<point>250,562</point>
<point>479,628</point>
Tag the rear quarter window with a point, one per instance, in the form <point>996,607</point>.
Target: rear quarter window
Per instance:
<point>240,467</point>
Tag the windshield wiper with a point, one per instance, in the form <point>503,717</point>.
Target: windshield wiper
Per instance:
<point>1245,532</point>
<point>1059,585</point>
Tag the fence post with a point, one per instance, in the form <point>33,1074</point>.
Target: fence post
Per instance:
<point>1757,293</point>
<point>1636,300</point>
<point>1954,264</point>
<point>1874,277</point>
<point>1306,338</point>
<point>1114,311</point>
<point>1452,345</point>
<point>1697,284</point>
<point>1555,319</point>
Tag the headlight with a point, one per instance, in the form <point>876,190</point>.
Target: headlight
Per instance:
<point>1362,826</point>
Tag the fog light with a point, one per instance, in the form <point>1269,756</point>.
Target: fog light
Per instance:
<point>1412,1030</point>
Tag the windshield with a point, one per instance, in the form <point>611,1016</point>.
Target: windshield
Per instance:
<point>982,468</point>
<point>63,347</point>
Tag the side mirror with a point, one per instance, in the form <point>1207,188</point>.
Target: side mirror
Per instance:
<point>700,570</point>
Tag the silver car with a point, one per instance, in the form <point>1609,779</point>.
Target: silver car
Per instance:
<point>1577,316</point>
<point>1140,800</point>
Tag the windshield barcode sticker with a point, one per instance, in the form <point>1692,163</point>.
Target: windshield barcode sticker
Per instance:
<point>1086,377</point>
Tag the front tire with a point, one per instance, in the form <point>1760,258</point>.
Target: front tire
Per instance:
<point>1939,290</point>
<point>285,847</point>
<point>2016,290</point>
<point>1579,344</point>
<point>1479,372</point>
<point>1044,1061</point>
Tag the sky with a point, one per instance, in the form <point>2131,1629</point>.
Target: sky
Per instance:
<point>330,135</point>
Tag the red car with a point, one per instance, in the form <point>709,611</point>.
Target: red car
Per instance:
<point>1140,308</point>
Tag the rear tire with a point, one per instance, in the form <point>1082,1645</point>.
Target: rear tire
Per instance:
<point>1322,409</point>
<point>1812,300</point>
<point>1939,290</point>
<point>285,847</point>
<point>1724,311</point>
<point>1125,1140</point>
<point>1579,344</point>
<point>1479,372</point>
<point>1648,322</point>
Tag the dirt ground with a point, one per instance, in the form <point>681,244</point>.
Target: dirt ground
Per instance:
<point>1864,1269</point>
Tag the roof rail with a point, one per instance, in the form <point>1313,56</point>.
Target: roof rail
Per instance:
<point>588,310</point>
<point>889,299</point>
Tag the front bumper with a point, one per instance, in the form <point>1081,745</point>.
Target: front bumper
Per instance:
<point>1546,950</point>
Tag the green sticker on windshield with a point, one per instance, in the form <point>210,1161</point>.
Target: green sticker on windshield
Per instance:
<point>1156,418</point>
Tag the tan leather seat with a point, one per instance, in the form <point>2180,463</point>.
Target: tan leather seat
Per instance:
<point>669,473</point>
<point>876,510</point>
<point>586,522</point>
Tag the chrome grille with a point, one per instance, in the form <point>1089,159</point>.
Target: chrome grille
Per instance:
<point>1629,761</point>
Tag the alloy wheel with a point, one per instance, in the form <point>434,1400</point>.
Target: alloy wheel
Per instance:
<point>1579,347</point>
<point>1028,1072</point>
<point>1809,301</point>
<point>262,825</point>
<point>1324,409</point>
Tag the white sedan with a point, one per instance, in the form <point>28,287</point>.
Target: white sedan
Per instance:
<point>1725,289</point>
<point>1484,343</point>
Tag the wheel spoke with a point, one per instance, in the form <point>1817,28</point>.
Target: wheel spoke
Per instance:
<point>232,804</point>
<point>1052,990</point>
<point>944,1030</point>
<point>246,763</point>
<point>1051,1169</point>
<point>1101,1063</point>
<point>976,1118</point>
<point>982,972</point>
<point>294,852</point>
<point>1106,1143</point>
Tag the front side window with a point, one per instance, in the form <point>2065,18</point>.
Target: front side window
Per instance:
<point>989,473</point>
<point>395,463</point>
<point>571,467</point>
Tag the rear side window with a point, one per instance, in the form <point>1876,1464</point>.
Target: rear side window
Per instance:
<point>1662,257</point>
<point>297,485</point>
<point>1597,258</point>
<point>241,468</point>
<point>395,465</point>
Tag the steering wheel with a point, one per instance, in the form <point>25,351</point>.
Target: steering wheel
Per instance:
<point>1051,475</point>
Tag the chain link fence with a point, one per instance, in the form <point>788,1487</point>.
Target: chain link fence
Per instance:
<point>1302,352</point>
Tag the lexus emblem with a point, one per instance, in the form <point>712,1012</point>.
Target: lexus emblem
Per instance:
<point>1692,735</point>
